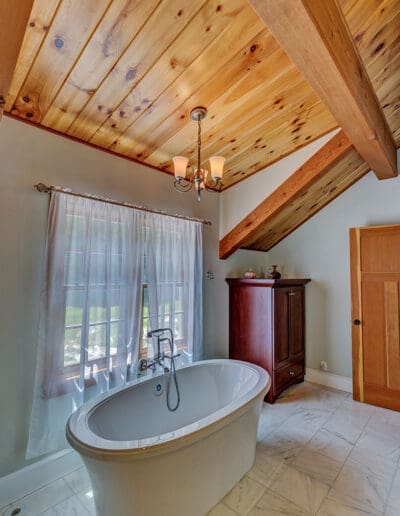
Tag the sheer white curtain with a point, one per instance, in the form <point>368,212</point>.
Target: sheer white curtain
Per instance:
<point>91,311</point>
<point>174,266</point>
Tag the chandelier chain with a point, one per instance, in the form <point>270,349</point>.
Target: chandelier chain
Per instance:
<point>198,144</point>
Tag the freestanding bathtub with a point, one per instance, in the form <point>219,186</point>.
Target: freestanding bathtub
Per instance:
<point>146,461</point>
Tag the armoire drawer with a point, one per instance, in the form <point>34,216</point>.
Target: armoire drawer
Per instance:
<point>286,374</point>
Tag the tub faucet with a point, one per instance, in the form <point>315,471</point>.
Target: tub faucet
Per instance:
<point>159,356</point>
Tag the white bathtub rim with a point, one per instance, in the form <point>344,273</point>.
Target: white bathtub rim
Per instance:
<point>129,454</point>
<point>96,447</point>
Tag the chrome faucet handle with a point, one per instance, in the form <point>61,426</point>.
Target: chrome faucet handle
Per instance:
<point>142,365</point>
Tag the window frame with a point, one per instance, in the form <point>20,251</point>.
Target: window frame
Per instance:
<point>59,377</point>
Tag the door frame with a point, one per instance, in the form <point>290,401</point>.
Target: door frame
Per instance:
<point>356,333</point>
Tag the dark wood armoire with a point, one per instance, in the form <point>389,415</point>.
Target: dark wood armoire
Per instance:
<point>267,327</point>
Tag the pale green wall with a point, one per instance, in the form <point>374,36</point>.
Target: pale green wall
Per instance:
<point>30,155</point>
<point>319,250</point>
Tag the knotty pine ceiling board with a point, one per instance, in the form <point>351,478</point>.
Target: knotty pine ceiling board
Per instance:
<point>124,74</point>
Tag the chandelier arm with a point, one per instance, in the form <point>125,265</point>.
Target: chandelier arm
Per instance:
<point>213,186</point>
<point>183,185</point>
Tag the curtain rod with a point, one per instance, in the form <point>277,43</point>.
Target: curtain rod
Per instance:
<point>42,188</point>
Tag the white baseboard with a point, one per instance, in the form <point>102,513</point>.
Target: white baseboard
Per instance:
<point>335,381</point>
<point>26,480</point>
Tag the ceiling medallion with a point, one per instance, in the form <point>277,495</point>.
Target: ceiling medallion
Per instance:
<point>198,177</point>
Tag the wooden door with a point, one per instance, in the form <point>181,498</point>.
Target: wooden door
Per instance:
<point>375,295</point>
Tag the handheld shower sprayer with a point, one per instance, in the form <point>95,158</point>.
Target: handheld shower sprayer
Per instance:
<point>158,333</point>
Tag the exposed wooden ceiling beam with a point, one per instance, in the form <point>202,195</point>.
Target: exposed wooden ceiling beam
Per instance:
<point>13,20</point>
<point>315,36</point>
<point>298,187</point>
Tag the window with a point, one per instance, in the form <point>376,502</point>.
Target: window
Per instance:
<point>112,273</point>
<point>93,293</point>
<point>121,272</point>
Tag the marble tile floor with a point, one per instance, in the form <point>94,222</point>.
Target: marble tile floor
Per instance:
<point>318,453</point>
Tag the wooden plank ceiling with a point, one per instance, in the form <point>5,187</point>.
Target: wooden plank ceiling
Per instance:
<point>12,29</point>
<point>124,74</point>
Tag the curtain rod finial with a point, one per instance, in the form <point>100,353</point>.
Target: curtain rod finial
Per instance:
<point>41,187</point>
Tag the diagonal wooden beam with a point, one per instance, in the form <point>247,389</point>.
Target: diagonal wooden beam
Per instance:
<point>295,187</point>
<point>316,37</point>
<point>14,17</point>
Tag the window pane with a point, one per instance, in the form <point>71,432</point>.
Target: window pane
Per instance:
<point>167,319</point>
<point>166,300</point>
<point>74,268</point>
<point>145,274</point>
<point>75,233</point>
<point>99,235</point>
<point>74,308</point>
<point>115,336</point>
<point>179,298</point>
<point>145,309</point>
<point>97,306</point>
<point>72,346</point>
<point>115,305</point>
<point>116,266</point>
<point>178,326</point>
<point>97,341</point>
<point>116,237</point>
<point>145,330</point>
<point>97,269</point>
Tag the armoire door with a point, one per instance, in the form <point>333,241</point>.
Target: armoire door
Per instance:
<point>296,321</point>
<point>288,324</point>
<point>375,295</point>
<point>281,327</point>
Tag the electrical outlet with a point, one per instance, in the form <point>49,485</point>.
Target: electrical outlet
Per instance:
<point>323,365</point>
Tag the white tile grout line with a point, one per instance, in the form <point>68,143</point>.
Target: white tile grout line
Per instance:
<point>18,500</point>
<point>397,469</point>
<point>345,398</point>
<point>353,446</point>
<point>259,498</point>
<point>332,414</point>
<point>29,470</point>
<point>389,492</point>
<point>312,437</point>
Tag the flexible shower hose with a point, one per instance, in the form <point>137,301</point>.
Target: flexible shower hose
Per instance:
<point>172,373</point>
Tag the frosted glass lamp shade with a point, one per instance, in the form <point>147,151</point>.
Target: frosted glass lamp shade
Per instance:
<point>180,165</point>
<point>217,167</point>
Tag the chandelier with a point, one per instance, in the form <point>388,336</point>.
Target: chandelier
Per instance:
<point>199,177</point>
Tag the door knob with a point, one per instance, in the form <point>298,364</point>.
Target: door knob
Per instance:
<point>357,322</point>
